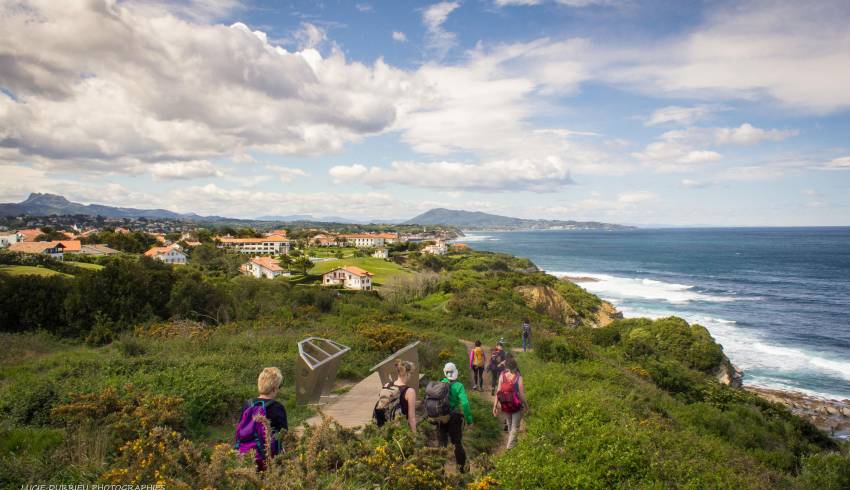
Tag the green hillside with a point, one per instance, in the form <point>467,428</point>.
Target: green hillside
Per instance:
<point>28,270</point>
<point>136,373</point>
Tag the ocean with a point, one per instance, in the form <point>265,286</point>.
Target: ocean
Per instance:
<point>777,299</point>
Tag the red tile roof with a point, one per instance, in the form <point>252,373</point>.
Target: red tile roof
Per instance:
<point>153,252</point>
<point>30,234</point>
<point>32,247</point>
<point>268,263</point>
<point>357,271</point>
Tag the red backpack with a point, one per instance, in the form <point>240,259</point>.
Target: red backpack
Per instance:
<point>508,394</point>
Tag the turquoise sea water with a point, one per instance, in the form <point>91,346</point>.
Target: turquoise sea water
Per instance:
<point>777,299</point>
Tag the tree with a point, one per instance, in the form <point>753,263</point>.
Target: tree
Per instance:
<point>48,234</point>
<point>303,264</point>
<point>285,261</point>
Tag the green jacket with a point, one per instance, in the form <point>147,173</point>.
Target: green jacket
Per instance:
<point>457,397</point>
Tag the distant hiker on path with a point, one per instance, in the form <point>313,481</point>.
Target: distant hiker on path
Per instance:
<point>447,405</point>
<point>526,335</point>
<point>397,398</point>
<point>510,400</point>
<point>497,365</point>
<point>251,432</point>
<point>477,362</point>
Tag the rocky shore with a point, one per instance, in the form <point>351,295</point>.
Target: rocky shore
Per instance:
<point>831,416</point>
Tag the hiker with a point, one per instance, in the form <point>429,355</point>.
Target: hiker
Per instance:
<point>510,400</point>
<point>447,406</point>
<point>397,398</point>
<point>251,432</point>
<point>477,361</point>
<point>496,366</point>
<point>526,335</point>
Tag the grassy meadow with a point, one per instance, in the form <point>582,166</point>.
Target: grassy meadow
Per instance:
<point>152,397</point>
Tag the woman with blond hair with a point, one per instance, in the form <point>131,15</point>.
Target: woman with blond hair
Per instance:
<point>397,397</point>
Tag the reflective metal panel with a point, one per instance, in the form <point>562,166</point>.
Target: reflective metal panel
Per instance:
<point>386,368</point>
<point>315,370</point>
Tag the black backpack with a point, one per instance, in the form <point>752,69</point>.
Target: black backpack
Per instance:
<point>437,405</point>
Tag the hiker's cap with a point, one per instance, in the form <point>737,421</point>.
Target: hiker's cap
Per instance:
<point>450,371</point>
<point>502,341</point>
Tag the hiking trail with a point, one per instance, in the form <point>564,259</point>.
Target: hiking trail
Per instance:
<point>351,409</point>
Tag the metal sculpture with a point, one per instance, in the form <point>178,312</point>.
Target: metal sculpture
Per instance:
<point>386,368</point>
<point>315,371</point>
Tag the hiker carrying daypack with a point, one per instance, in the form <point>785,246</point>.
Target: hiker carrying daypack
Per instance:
<point>389,404</point>
<point>508,394</point>
<point>510,402</point>
<point>437,404</point>
<point>526,335</point>
<point>477,361</point>
<point>496,365</point>
<point>252,434</point>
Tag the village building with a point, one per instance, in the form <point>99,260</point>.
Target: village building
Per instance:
<point>169,255</point>
<point>53,249</point>
<point>438,248</point>
<point>349,277</point>
<point>324,240</point>
<point>264,267</point>
<point>270,245</point>
<point>30,234</point>
<point>71,246</point>
<point>6,240</point>
<point>381,253</point>
<point>364,240</point>
<point>389,237</point>
<point>276,233</point>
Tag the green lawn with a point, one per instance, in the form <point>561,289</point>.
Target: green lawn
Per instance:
<point>329,251</point>
<point>85,265</point>
<point>28,270</point>
<point>382,269</point>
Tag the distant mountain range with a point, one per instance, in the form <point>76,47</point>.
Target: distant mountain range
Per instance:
<point>38,204</point>
<point>476,220</point>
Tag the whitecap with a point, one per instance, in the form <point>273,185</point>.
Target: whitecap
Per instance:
<point>621,288</point>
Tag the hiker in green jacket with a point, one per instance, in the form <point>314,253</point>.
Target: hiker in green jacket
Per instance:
<point>453,429</point>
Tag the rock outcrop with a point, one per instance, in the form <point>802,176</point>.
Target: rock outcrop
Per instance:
<point>549,302</point>
<point>831,416</point>
<point>606,314</point>
<point>728,374</point>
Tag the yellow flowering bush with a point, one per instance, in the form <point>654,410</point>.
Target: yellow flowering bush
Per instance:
<point>159,457</point>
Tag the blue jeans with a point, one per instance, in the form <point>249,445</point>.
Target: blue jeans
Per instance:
<point>526,343</point>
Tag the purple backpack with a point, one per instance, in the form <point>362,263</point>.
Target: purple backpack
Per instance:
<point>251,434</point>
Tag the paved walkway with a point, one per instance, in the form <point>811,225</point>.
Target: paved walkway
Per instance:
<point>353,408</point>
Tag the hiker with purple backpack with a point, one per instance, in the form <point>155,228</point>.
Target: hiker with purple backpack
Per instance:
<point>262,420</point>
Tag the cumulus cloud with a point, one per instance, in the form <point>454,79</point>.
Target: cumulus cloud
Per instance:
<point>363,7</point>
<point>635,197</point>
<point>399,37</point>
<point>286,174</point>
<point>568,3</point>
<point>137,83</point>
<point>678,115</point>
<point>439,40</point>
<point>682,149</point>
<point>193,169</point>
<point>546,175</point>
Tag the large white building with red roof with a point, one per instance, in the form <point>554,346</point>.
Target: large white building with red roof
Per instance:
<point>269,245</point>
<point>349,277</point>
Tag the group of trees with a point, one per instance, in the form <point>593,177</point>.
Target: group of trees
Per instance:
<point>132,242</point>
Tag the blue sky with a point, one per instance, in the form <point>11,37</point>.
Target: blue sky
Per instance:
<point>663,112</point>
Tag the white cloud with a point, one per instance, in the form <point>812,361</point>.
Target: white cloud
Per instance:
<point>363,7</point>
<point>842,163</point>
<point>309,36</point>
<point>286,174</point>
<point>399,37</point>
<point>682,149</point>
<point>192,169</point>
<point>678,115</point>
<point>439,40</point>
<point>546,175</point>
<point>568,3</point>
<point>753,50</point>
<point>635,197</point>
<point>155,87</point>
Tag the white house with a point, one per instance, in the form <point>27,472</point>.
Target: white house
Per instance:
<point>349,277</point>
<point>6,240</point>
<point>269,245</point>
<point>264,267</point>
<point>53,249</point>
<point>364,240</point>
<point>381,253</point>
<point>439,248</point>
<point>169,255</point>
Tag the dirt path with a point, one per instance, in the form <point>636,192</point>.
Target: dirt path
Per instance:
<point>487,397</point>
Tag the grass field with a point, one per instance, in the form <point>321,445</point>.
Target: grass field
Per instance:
<point>85,265</point>
<point>382,269</point>
<point>28,270</point>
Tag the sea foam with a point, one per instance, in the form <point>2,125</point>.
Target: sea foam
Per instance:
<point>616,288</point>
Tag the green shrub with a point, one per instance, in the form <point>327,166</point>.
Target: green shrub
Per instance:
<point>826,471</point>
